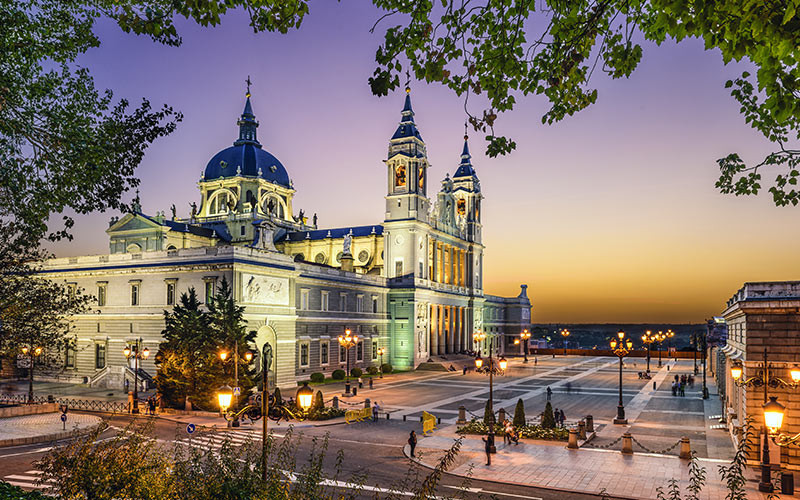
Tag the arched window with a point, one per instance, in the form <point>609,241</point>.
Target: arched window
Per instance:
<point>134,248</point>
<point>400,176</point>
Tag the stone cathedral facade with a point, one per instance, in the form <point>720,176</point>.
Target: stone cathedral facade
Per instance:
<point>411,284</point>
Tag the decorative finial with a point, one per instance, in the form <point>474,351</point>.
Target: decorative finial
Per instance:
<point>465,130</point>
<point>408,82</point>
<point>248,82</point>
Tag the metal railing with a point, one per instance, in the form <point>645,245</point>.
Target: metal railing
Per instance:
<point>71,403</point>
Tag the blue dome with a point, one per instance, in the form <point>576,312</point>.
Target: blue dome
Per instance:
<point>250,160</point>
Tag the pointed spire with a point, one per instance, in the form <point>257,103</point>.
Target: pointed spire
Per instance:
<point>465,168</point>
<point>408,113</point>
<point>247,122</point>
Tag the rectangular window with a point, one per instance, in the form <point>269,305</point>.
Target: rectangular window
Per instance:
<point>398,268</point>
<point>360,351</point>
<point>304,354</point>
<point>343,302</point>
<point>374,349</point>
<point>304,299</point>
<point>101,295</point>
<point>135,294</point>
<point>99,356</point>
<point>360,303</point>
<point>374,304</point>
<point>324,301</point>
<point>342,355</point>
<point>241,231</point>
<point>209,291</point>
<point>323,352</point>
<point>170,294</point>
<point>69,357</point>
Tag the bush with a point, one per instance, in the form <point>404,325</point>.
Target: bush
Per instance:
<point>548,420</point>
<point>318,377</point>
<point>488,416</point>
<point>372,370</point>
<point>519,414</point>
<point>318,402</point>
<point>386,368</point>
<point>356,372</point>
<point>475,426</point>
<point>338,375</point>
<point>325,413</point>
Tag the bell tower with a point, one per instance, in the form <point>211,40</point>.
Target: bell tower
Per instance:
<point>407,170</point>
<point>467,191</point>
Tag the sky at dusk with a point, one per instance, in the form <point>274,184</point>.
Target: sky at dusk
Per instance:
<point>609,216</point>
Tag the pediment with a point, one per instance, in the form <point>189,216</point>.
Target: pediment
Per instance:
<point>132,222</point>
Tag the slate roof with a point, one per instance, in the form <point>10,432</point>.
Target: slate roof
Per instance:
<point>465,168</point>
<point>320,234</point>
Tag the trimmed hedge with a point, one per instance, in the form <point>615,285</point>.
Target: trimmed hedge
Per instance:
<point>338,374</point>
<point>475,426</point>
<point>372,370</point>
<point>386,368</point>
<point>318,377</point>
<point>356,372</point>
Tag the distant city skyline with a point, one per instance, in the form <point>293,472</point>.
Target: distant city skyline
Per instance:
<point>609,216</point>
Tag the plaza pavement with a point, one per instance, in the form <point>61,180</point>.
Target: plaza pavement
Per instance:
<point>43,427</point>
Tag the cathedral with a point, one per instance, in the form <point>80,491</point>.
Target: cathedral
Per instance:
<point>411,284</point>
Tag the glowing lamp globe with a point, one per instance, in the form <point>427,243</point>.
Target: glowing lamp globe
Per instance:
<point>145,352</point>
<point>736,372</point>
<point>305,395</point>
<point>248,356</point>
<point>621,334</point>
<point>224,397</point>
<point>629,343</point>
<point>795,373</point>
<point>516,341</point>
<point>613,344</point>
<point>127,352</point>
<point>773,414</point>
<point>223,355</point>
<point>37,351</point>
<point>503,363</point>
<point>478,361</point>
<point>25,351</point>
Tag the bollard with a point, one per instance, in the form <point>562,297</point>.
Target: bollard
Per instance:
<point>462,415</point>
<point>387,415</point>
<point>355,391</point>
<point>404,418</point>
<point>501,415</point>
<point>667,367</point>
<point>654,385</point>
<point>589,423</point>
<point>627,444</point>
<point>686,448</point>
<point>572,444</point>
<point>582,430</point>
<point>366,403</point>
<point>336,402</point>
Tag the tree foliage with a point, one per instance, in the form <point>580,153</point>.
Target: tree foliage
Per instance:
<point>64,144</point>
<point>548,419</point>
<point>519,414</point>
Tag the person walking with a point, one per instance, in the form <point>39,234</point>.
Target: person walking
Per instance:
<point>563,418</point>
<point>549,392</point>
<point>375,409</point>
<point>683,389</point>
<point>412,442</point>
<point>487,447</point>
<point>151,405</point>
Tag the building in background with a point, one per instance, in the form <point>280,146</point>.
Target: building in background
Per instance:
<point>412,284</point>
<point>761,318</point>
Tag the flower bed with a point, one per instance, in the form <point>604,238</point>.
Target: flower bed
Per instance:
<point>529,431</point>
<point>326,413</point>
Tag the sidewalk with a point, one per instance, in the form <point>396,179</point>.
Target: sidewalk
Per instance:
<point>44,427</point>
<point>220,423</point>
<point>553,466</point>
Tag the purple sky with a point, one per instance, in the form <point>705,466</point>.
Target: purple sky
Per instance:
<point>611,215</point>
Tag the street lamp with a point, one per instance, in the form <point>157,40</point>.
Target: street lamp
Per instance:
<point>347,341</point>
<point>648,338</point>
<point>491,367</point>
<point>305,395</point>
<point>525,335</point>
<point>266,362</point>
<point>660,338</point>
<point>381,352</point>
<point>136,353</point>
<point>669,336</point>
<point>32,353</point>
<point>623,350</point>
<point>248,356</point>
<point>565,334</point>
<point>225,397</point>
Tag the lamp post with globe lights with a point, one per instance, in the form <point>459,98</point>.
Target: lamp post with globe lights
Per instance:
<point>381,352</point>
<point>136,352</point>
<point>621,348</point>
<point>32,353</point>
<point>525,335</point>
<point>491,366</point>
<point>248,357</point>
<point>348,341</point>
<point>565,333</point>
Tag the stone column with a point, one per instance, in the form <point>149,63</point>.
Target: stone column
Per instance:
<point>440,332</point>
<point>435,276</point>
<point>433,331</point>
<point>452,323</point>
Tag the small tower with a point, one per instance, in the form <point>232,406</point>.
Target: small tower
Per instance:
<point>407,170</point>
<point>467,192</point>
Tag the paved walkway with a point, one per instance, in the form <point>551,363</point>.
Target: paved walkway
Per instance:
<point>42,427</point>
<point>584,470</point>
